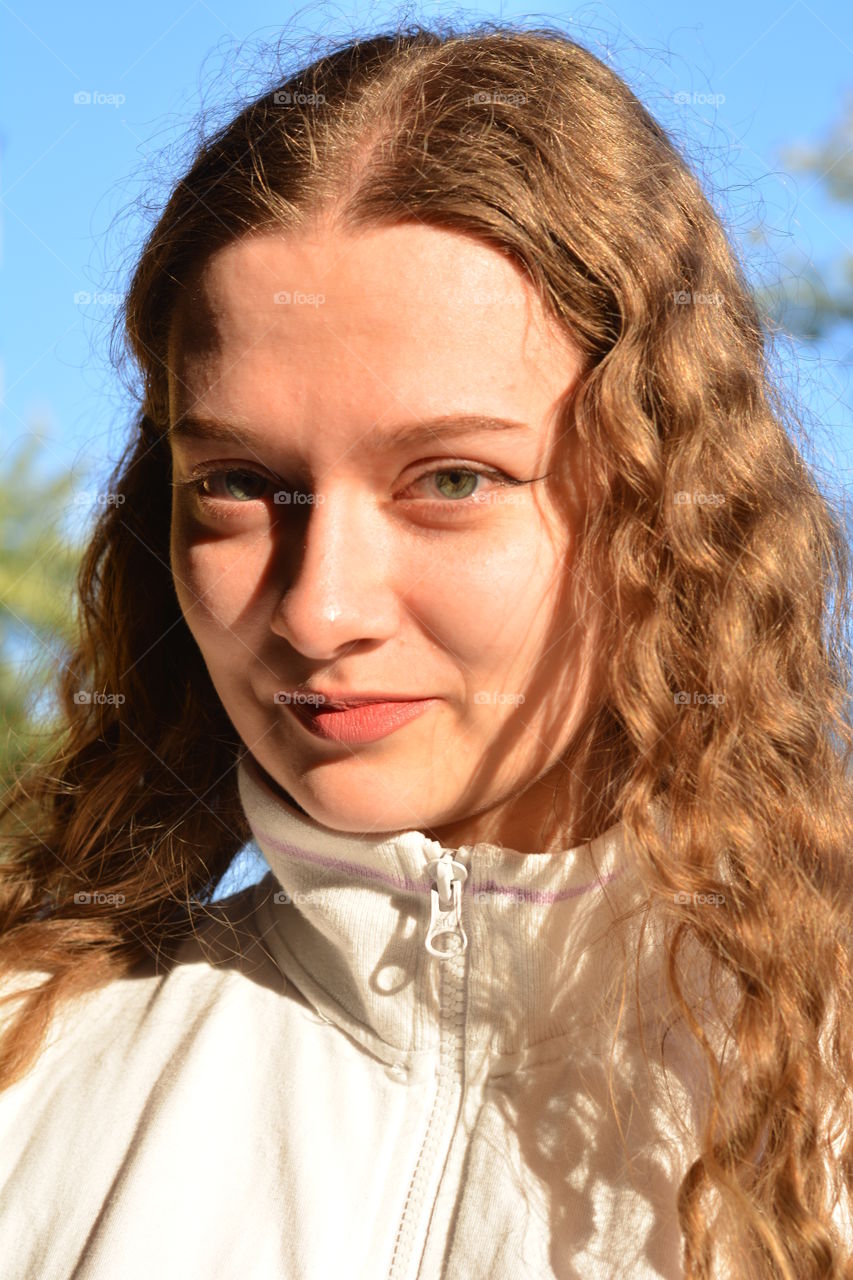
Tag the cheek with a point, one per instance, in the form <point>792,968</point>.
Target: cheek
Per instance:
<point>492,601</point>
<point>213,579</point>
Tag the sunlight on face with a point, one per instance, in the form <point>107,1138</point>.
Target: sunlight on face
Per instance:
<point>416,567</point>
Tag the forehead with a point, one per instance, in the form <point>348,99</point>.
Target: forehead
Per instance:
<point>408,314</point>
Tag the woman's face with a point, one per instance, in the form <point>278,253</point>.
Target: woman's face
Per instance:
<point>402,565</point>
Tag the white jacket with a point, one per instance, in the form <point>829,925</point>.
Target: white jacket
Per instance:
<point>316,1090</point>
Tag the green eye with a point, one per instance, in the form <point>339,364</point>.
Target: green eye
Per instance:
<point>236,481</point>
<point>468,477</point>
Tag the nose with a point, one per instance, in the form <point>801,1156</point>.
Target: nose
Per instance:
<point>337,587</point>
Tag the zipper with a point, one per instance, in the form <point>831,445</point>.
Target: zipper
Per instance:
<point>445,920</point>
<point>447,941</point>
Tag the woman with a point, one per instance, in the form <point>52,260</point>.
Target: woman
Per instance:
<point>466,564</point>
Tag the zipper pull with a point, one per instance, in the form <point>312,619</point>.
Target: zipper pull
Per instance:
<point>445,919</point>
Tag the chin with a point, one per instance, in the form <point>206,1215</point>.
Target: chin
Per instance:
<point>361,817</point>
<point>363,812</point>
<point>370,802</point>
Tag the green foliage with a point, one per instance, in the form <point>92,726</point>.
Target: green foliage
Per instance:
<point>813,301</point>
<point>38,569</point>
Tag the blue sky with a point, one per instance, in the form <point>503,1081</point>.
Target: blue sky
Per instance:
<point>732,82</point>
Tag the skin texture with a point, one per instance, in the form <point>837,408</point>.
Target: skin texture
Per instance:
<point>383,581</point>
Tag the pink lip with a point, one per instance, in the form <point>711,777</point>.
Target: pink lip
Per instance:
<point>367,722</point>
<point>330,699</point>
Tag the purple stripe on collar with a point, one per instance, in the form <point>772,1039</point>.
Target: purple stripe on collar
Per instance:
<point>323,860</point>
<point>424,885</point>
<point>542,895</point>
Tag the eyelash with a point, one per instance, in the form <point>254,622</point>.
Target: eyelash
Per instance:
<point>204,473</point>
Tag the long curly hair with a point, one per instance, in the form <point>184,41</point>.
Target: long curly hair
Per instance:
<point>724,568</point>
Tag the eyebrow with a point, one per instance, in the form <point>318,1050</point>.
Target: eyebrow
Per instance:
<point>376,438</point>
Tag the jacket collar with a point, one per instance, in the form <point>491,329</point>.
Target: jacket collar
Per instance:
<point>364,925</point>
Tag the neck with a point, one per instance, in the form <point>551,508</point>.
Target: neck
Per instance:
<point>274,786</point>
<point>546,816</point>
